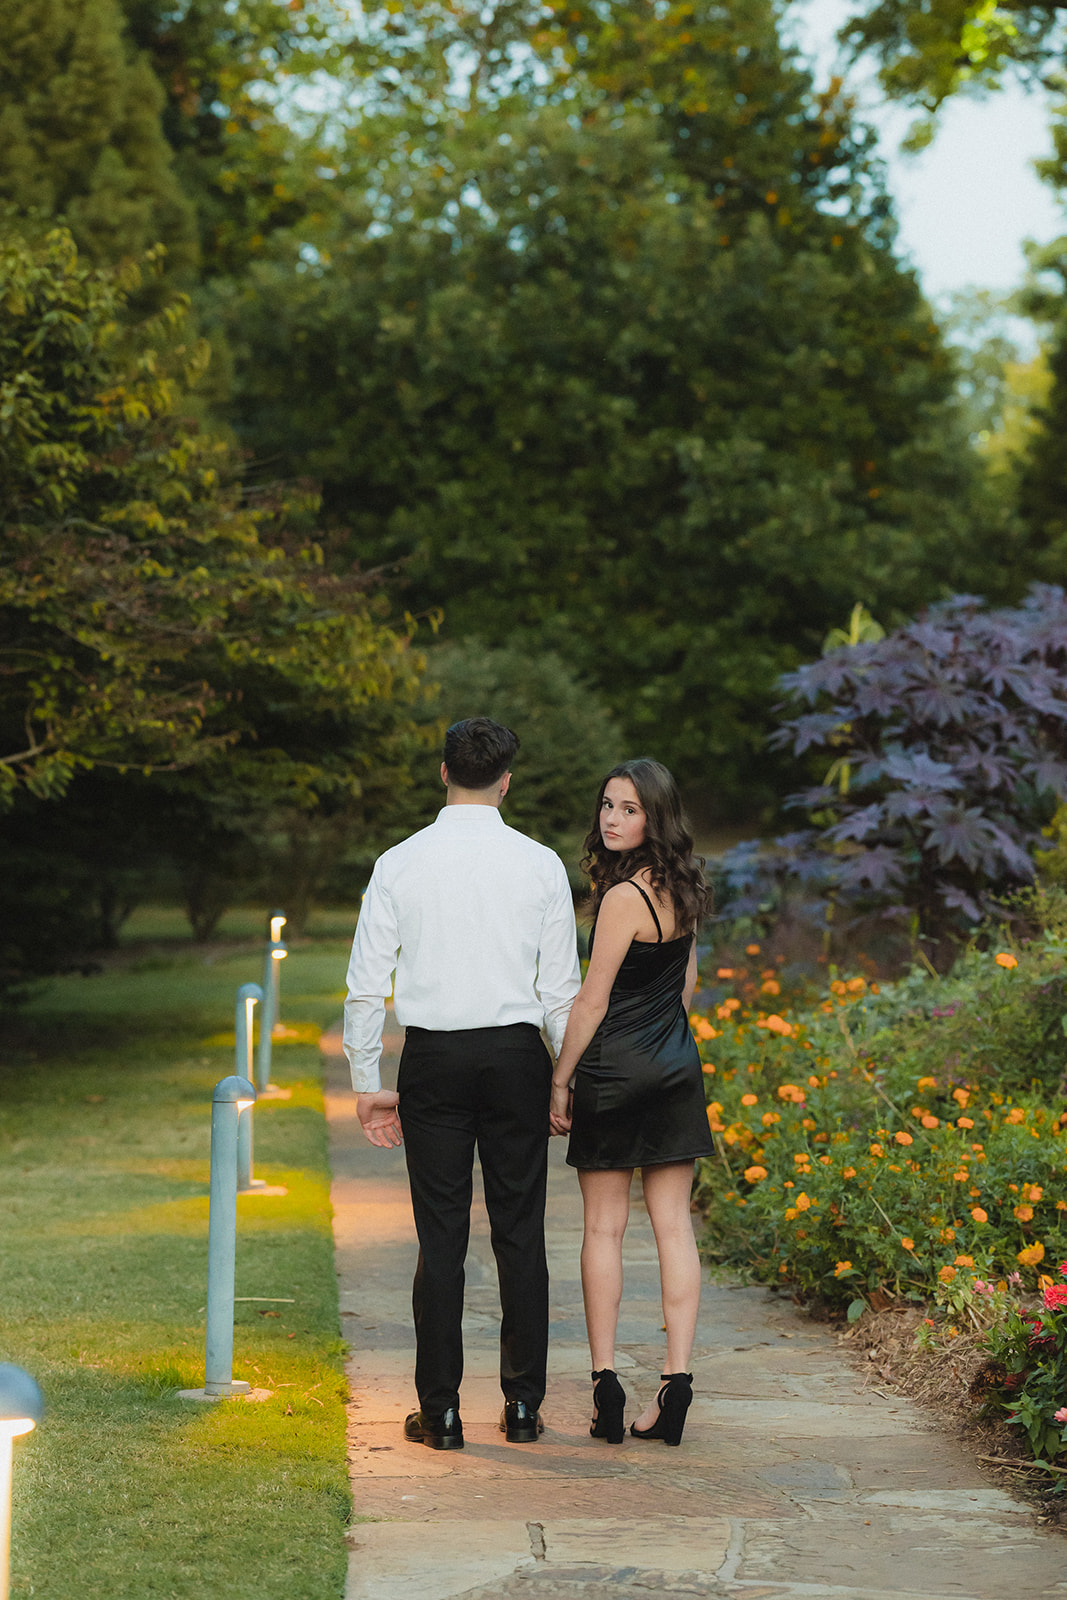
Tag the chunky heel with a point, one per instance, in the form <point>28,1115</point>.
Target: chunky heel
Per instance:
<point>609,1397</point>
<point>674,1400</point>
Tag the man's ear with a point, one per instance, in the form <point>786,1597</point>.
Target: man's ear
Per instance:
<point>505,784</point>
<point>444,774</point>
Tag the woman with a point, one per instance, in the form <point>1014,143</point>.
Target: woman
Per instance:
<point>628,1086</point>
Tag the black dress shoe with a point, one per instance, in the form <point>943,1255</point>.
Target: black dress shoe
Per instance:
<point>440,1433</point>
<point>520,1422</point>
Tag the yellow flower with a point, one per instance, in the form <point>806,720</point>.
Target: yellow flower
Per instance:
<point>1005,960</point>
<point>841,1268</point>
<point>946,1274</point>
<point>754,1174</point>
<point>903,1138</point>
<point>909,1244</point>
<point>1032,1254</point>
<point>979,1215</point>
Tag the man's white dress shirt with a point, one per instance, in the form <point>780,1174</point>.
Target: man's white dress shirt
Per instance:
<point>477,922</point>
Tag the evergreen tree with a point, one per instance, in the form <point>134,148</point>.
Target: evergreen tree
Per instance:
<point>80,132</point>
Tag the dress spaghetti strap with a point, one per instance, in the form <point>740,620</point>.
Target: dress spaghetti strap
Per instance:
<point>650,906</point>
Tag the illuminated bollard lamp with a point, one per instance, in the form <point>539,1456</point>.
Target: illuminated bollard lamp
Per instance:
<point>21,1409</point>
<point>270,1009</point>
<point>232,1096</point>
<point>248,996</point>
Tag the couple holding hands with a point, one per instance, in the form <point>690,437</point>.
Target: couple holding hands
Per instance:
<point>470,924</point>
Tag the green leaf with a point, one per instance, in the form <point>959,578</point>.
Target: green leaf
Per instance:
<point>856,1310</point>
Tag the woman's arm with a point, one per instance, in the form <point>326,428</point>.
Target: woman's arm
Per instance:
<point>690,976</point>
<point>620,918</point>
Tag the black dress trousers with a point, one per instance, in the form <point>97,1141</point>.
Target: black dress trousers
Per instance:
<point>484,1088</point>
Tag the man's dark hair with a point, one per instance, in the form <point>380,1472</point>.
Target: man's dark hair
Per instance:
<point>478,752</point>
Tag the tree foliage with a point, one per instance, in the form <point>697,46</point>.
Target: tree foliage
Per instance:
<point>646,385</point>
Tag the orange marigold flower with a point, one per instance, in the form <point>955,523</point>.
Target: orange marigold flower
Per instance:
<point>841,1268</point>
<point>962,1175</point>
<point>848,1172</point>
<point>876,1150</point>
<point>903,1138</point>
<point>1016,1115</point>
<point>1061,1205</point>
<point>725,972</point>
<point>776,1024</point>
<point>808,1122</point>
<point>789,1091</point>
<point>708,1070</point>
<point>856,985</point>
<point>961,1097</point>
<point>790,1213</point>
<point>771,986</point>
<point>749,1099</point>
<point>1035,1192</point>
<point>1004,959</point>
<point>930,1122</point>
<point>769,1118</point>
<point>965,1261</point>
<point>1031,1255</point>
<point>755,1174</point>
<point>946,1274</point>
<point>752,949</point>
<point>964,1122</point>
<point>979,1215</point>
<point>1024,1213</point>
<point>927,1083</point>
<point>909,1244</point>
<point>803,1201</point>
<point>789,1184</point>
<point>825,1160</point>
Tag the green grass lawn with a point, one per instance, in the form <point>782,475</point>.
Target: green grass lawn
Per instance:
<point>105,1090</point>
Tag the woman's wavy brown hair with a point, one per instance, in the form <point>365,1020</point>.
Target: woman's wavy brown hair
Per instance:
<point>667,848</point>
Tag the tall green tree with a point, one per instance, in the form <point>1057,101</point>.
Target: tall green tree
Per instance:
<point>81,136</point>
<point>634,405</point>
<point>156,617</point>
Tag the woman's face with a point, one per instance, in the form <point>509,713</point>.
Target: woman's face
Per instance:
<point>622,816</point>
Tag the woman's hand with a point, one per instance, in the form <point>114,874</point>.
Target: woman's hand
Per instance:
<point>559,1115</point>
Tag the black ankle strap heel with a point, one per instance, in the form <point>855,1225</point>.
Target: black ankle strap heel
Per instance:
<point>609,1398</point>
<point>674,1400</point>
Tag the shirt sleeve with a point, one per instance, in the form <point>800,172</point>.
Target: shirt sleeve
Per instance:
<point>370,981</point>
<point>558,974</point>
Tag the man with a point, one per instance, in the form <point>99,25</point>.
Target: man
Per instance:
<point>477,922</point>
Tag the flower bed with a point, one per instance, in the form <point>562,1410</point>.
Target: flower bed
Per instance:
<point>880,1142</point>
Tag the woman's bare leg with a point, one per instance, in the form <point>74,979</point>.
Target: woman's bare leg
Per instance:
<point>668,1190</point>
<point>606,1198</point>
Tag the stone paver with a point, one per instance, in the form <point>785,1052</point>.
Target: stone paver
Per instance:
<point>792,1481</point>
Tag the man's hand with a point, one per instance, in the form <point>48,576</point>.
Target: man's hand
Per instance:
<point>379,1118</point>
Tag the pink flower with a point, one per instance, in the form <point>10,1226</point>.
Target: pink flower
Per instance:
<point>1015,1278</point>
<point>982,1287</point>
<point>1060,1415</point>
<point>1063,1269</point>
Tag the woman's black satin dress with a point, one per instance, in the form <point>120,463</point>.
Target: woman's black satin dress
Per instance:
<point>638,1089</point>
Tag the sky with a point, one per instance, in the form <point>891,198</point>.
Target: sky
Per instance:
<point>967,202</point>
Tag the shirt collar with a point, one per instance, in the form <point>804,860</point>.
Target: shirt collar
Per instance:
<point>482,816</point>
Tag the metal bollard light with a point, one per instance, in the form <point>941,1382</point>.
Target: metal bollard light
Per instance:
<point>268,1011</point>
<point>248,996</point>
<point>231,1097</point>
<point>21,1409</point>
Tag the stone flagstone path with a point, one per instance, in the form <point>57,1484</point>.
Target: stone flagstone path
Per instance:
<point>792,1480</point>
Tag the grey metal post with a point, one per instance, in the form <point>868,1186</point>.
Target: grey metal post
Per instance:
<point>276,953</point>
<point>231,1094</point>
<point>248,995</point>
<point>21,1409</point>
